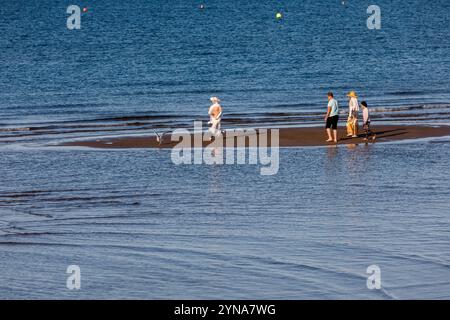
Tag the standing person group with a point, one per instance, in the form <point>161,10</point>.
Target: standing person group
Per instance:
<point>332,117</point>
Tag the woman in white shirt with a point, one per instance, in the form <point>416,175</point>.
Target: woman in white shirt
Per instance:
<point>353,110</point>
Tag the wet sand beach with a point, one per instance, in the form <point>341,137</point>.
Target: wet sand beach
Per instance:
<point>289,137</point>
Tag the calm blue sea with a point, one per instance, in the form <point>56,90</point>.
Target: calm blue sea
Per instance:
<point>140,227</point>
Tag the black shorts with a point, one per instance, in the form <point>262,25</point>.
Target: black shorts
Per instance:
<point>332,122</point>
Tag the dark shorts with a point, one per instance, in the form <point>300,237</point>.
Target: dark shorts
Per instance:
<point>332,122</point>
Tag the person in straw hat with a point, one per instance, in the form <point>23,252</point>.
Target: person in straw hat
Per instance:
<point>353,110</point>
<point>215,116</point>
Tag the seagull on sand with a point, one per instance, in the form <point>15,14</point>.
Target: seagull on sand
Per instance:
<point>160,137</point>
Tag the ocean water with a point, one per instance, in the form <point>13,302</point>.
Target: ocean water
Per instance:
<point>141,227</point>
<point>135,66</point>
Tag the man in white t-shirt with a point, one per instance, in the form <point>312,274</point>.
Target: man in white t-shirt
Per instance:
<point>332,117</point>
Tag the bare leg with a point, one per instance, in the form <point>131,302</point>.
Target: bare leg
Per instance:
<point>215,129</point>
<point>218,131</point>
<point>335,136</point>
<point>329,135</point>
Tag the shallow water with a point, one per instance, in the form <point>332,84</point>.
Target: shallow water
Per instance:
<point>140,227</point>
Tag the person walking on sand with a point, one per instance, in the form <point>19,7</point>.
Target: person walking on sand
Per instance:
<point>332,117</point>
<point>215,117</point>
<point>366,122</point>
<point>352,120</point>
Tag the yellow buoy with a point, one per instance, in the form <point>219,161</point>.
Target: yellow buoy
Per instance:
<point>279,16</point>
